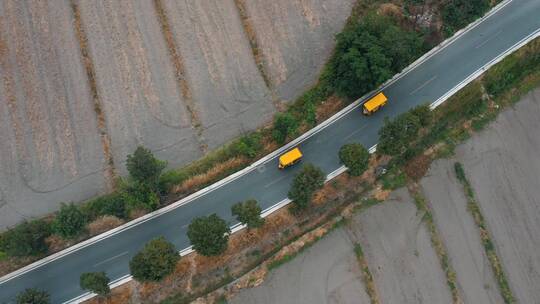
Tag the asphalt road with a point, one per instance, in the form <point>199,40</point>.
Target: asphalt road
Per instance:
<point>426,83</point>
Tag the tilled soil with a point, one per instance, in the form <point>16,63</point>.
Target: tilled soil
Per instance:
<point>502,164</point>
<point>50,147</point>
<point>460,235</point>
<point>326,273</point>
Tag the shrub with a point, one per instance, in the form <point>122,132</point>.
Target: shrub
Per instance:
<point>111,204</point>
<point>305,183</point>
<point>456,14</point>
<point>285,125</point>
<point>395,135</point>
<point>27,238</point>
<point>96,282</point>
<point>249,145</point>
<point>33,296</point>
<point>355,157</point>
<point>424,114</point>
<point>155,261</point>
<point>140,196</point>
<point>209,235</point>
<point>248,213</point>
<point>144,168</point>
<point>69,221</point>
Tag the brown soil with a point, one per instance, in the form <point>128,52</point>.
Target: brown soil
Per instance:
<point>417,167</point>
<point>329,107</point>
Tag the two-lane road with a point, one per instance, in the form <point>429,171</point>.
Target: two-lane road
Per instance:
<point>425,83</point>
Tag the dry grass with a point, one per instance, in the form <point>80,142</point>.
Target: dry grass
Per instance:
<point>329,107</point>
<point>417,167</point>
<point>103,224</point>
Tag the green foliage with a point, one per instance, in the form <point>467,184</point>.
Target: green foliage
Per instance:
<point>69,221</point>
<point>144,168</point>
<point>368,52</point>
<point>457,14</point>
<point>209,235</point>
<point>394,179</point>
<point>155,261</point>
<point>33,296</point>
<point>248,213</point>
<point>355,157</point>
<point>424,114</point>
<point>96,282</point>
<point>110,204</point>
<point>310,114</point>
<point>285,125</point>
<point>139,196</point>
<point>305,183</point>
<point>249,145</point>
<point>27,238</point>
<point>396,134</point>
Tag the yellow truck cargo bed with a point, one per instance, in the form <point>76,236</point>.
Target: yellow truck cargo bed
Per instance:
<point>371,106</point>
<point>290,158</point>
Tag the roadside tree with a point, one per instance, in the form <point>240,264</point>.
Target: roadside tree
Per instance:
<point>33,296</point>
<point>27,238</point>
<point>355,157</point>
<point>209,235</point>
<point>69,221</point>
<point>285,125</point>
<point>96,282</point>
<point>305,183</point>
<point>248,213</point>
<point>144,168</point>
<point>155,261</point>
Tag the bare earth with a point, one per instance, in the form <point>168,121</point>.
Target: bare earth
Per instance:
<point>460,235</point>
<point>398,249</point>
<point>326,273</point>
<point>50,147</point>
<point>295,38</point>
<point>502,164</point>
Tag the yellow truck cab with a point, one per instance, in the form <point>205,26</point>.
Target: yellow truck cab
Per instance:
<point>290,158</point>
<point>374,104</point>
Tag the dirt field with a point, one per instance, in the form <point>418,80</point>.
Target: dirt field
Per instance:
<point>502,165</point>
<point>142,101</point>
<point>295,38</point>
<point>398,249</point>
<point>325,273</point>
<point>50,147</point>
<point>228,90</point>
<point>460,235</point>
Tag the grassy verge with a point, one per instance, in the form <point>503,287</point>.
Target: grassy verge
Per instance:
<point>485,236</point>
<point>366,275</point>
<point>422,206</point>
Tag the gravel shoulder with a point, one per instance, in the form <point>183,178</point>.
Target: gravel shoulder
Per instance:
<point>398,249</point>
<point>50,149</point>
<point>327,273</point>
<point>460,234</point>
<point>503,166</point>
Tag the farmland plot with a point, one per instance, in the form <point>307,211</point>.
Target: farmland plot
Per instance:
<point>50,147</point>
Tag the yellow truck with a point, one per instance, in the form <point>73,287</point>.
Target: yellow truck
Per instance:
<point>290,158</point>
<point>374,104</point>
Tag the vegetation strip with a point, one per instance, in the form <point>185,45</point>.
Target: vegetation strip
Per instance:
<point>366,275</point>
<point>485,236</point>
<point>436,241</point>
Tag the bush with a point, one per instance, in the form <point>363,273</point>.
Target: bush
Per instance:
<point>285,125</point>
<point>33,296</point>
<point>249,145</point>
<point>355,157</point>
<point>396,135</point>
<point>140,196</point>
<point>112,204</point>
<point>209,235</point>
<point>305,183</point>
<point>248,213</point>
<point>155,261</point>
<point>362,59</point>
<point>144,168</point>
<point>69,221</point>
<point>27,238</point>
<point>96,282</point>
<point>424,114</point>
<point>457,14</point>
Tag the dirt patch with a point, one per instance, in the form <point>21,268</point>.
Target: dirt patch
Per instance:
<point>417,167</point>
<point>329,107</point>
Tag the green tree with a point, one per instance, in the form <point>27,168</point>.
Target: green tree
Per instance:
<point>144,168</point>
<point>456,14</point>
<point>209,235</point>
<point>27,238</point>
<point>69,221</point>
<point>395,135</point>
<point>249,145</point>
<point>424,114</point>
<point>33,296</point>
<point>305,183</point>
<point>285,125</point>
<point>96,282</point>
<point>140,196</point>
<point>355,157</point>
<point>155,261</point>
<point>248,213</point>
